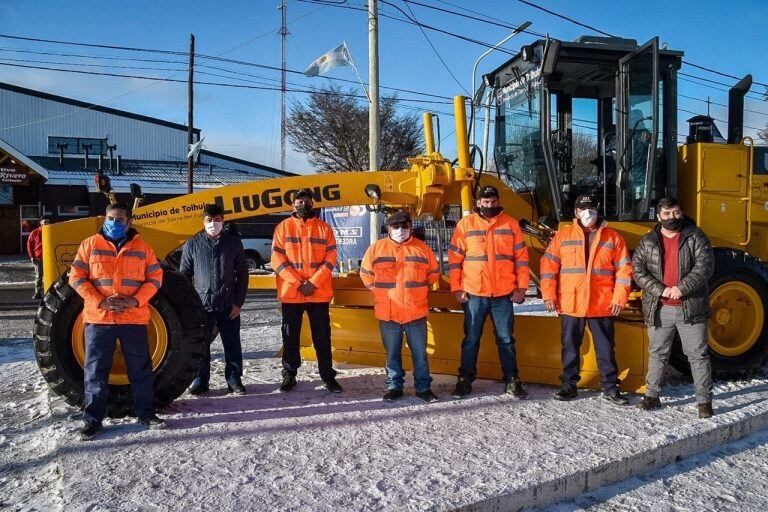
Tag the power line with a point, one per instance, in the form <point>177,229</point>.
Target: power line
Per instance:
<point>490,21</point>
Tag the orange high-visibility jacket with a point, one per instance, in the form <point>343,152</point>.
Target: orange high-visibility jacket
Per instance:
<point>303,250</point>
<point>488,257</point>
<point>99,271</point>
<point>583,290</point>
<point>400,276</point>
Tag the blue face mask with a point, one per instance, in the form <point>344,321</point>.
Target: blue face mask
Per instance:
<point>113,229</point>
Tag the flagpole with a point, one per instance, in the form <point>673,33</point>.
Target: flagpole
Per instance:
<point>354,66</point>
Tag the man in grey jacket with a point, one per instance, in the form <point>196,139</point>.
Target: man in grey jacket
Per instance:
<point>673,265</point>
<point>216,261</point>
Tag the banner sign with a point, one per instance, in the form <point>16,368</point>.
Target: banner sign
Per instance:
<point>13,175</point>
<point>351,228</point>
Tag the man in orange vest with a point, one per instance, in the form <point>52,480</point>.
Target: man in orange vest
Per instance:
<point>116,273</point>
<point>488,264</point>
<point>399,270</point>
<point>303,257</point>
<point>586,276</point>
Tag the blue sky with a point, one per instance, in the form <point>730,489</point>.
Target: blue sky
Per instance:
<point>729,36</point>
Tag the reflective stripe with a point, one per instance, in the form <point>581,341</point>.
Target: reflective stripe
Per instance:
<point>282,267</point>
<point>330,248</point>
<point>365,271</point>
<point>385,259</point>
<point>522,264</point>
<point>454,266</point>
<point>551,257</point>
<point>80,264</point>
<point>549,276</point>
<point>313,240</point>
<point>608,245</point>
<point>131,282</point>
<point>103,252</point>
<point>573,270</point>
<point>157,284</point>
<point>293,239</point>
<point>414,284</point>
<point>622,262</point>
<point>503,232</point>
<point>329,265</point>
<point>314,265</point>
<point>476,258</point>
<point>135,254</point>
<point>102,282</point>
<point>507,257</point>
<point>278,250</point>
<point>153,267</point>
<point>476,232</point>
<point>519,246</point>
<point>80,281</point>
<point>572,242</point>
<point>621,280</point>
<point>602,271</point>
<point>295,264</point>
<point>453,248</point>
<point>385,285</point>
<point>435,271</point>
<point>416,259</point>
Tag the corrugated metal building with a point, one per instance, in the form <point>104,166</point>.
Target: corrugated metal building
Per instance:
<point>52,146</point>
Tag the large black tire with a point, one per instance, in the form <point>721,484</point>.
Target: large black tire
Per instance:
<point>182,312</point>
<point>732,265</point>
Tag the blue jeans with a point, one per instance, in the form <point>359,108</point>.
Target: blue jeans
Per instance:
<point>476,310</point>
<point>416,336</point>
<point>229,330</point>
<point>100,342</point>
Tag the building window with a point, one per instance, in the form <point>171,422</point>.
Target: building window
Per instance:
<point>73,211</point>
<point>74,146</point>
<point>6,194</point>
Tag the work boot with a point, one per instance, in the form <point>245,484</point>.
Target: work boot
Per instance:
<point>515,388</point>
<point>236,386</point>
<point>393,394</point>
<point>289,382</point>
<point>463,387</point>
<point>153,422</point>
<point>566,393</point>
<point>705,411</point>
<point>616,398</point>
<point>198,387</point>
<point>88,431</point>
<point>649,403</point>
<point>332,385</point>
<point>428,396</point>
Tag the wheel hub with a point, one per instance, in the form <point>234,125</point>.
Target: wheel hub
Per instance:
<point>737,318</point>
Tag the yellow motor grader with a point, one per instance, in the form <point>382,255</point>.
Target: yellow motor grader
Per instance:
<point>623,92</point>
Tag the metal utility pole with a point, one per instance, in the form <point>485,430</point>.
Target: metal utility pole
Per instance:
<point>283,76</point>
<point>373,110</point>
<point>190,129</point>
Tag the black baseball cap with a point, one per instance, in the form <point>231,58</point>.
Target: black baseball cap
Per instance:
<point>586,202</point>
<point>400,217</point>
<point>304,192</point>
<point>487,191</point>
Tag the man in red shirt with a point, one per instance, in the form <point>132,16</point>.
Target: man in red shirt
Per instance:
<point>35,252</point>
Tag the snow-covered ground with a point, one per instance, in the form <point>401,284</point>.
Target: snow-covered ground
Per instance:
<point>311,450</point>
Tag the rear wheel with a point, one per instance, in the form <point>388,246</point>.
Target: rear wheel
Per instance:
<point>738,331</point>
<point>175,343</point>
<point>254,260</point>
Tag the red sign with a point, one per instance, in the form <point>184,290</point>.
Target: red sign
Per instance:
<point>13,175</point>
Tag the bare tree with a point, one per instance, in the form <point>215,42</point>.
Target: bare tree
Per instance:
<point>331,129</point>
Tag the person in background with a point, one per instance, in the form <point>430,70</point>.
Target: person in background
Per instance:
<point>399,270</point>
<point>116,273</point>
<point>35,253</point>
<point>216,262</point>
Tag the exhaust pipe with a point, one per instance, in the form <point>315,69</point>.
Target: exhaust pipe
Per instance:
<point>736,109</point>
<point>119,161</point>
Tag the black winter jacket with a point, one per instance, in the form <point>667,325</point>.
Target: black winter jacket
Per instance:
<point>219,269</point>
<point>696,264</point>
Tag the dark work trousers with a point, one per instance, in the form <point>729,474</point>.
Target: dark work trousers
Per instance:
<point>320,324</point>
<point>572,334</point>
<point>100,343</point>
<point>229,330</point>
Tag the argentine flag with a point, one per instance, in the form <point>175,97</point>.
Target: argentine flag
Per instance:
<point>333,59</point>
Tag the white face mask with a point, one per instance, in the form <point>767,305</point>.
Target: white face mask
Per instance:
<point>399,235</point>
<point>588,218</point>
<point>213,228</point>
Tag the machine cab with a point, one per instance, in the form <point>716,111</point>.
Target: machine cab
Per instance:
<point>596,115</point>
